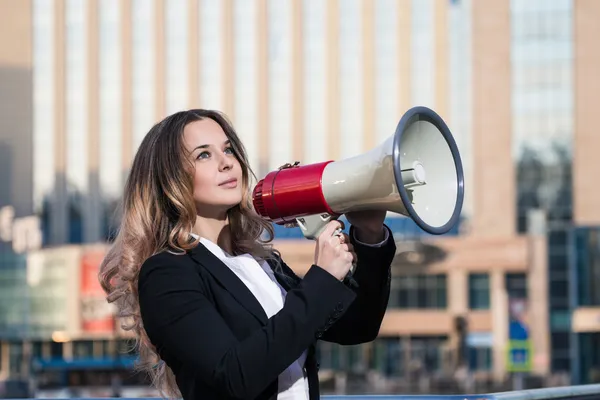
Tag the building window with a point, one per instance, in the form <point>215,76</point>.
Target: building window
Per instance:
<point>561,355</point>
<point>56,350</point>
<point>589,357</point>
<point>427,352</point>
<point>15,357</point>
<point>328,355</point>
<point>354,358</point>
<point>388,357</point>
<point>516,285</point>
<point>559,292</point>
<point>83,349</point>
<point>419,291</point>
<point>36,350</point>
<point>126,347</point>
<point>560,320</point>
<point>480,358</point>
<point>332,356</point>
<point>479,291</point>
<point>587,264</point>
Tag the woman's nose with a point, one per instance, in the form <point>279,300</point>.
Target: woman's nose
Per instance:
<point>225,163</point>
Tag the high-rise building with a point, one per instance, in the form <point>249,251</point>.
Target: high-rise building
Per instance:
<point>16,122</point>
<point>584,246</point>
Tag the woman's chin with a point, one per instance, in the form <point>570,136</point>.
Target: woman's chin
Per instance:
<point>221,208</point>
<point>231,206</point>
<point>228,205</point>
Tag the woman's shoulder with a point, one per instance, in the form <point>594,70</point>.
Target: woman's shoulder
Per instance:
<point>166,263</point>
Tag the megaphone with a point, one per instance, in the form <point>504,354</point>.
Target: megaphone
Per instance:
<point>417,172</point>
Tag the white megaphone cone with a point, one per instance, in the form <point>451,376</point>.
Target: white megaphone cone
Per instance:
<point>417,172</point>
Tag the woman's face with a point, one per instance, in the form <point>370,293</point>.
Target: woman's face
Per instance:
<point>218,174</point>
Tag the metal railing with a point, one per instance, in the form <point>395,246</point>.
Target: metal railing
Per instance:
<point>581,392</point>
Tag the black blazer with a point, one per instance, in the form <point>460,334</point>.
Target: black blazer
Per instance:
<point>213,333</point>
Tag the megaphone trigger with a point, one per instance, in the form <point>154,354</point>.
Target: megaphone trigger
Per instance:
<point>313,225</point>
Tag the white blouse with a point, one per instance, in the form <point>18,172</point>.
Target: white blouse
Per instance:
<point>260,280</point>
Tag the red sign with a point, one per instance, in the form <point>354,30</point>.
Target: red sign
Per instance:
<point>96,313</point>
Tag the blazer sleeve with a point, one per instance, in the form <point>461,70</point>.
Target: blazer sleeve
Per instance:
<point>182,323</point>
<point>362,321</point>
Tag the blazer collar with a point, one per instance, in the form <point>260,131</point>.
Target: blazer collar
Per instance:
<point>229,280</point>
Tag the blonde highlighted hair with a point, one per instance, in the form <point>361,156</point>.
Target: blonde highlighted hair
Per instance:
<point>158,213</point>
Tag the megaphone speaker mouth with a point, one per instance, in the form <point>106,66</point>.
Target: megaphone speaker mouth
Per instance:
<point>428,170</point>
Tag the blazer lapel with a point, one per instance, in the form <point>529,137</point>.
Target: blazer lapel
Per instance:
<point>229,280</point>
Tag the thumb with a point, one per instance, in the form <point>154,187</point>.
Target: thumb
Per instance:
<point>331,227</point>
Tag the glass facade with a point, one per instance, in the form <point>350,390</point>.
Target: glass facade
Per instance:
<point>542,102</point>
<point>585,271</point>
<point>33,294</point>
<point>49,289</point>
<point>14,294</point>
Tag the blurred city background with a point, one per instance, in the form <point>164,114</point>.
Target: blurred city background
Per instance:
<point>510,298</point>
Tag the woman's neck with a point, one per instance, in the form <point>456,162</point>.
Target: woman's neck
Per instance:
<point>216,230</point>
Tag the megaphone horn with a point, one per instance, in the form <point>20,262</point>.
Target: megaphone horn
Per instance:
<point>417,172</point>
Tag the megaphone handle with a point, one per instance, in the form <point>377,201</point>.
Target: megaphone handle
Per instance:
<point>349,275</point>
<point>312,226</point>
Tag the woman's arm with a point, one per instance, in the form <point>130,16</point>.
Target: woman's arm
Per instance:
<point>363,319</point>
<point>183,323</point>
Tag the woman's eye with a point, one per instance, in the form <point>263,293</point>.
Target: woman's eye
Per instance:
<point>229,150</point>
<point>204,154</point>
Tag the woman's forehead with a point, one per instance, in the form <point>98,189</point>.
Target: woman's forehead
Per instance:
<point>205,132</point>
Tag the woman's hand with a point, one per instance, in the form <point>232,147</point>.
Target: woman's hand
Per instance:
<point>368,225</point>
<point>334,252</point>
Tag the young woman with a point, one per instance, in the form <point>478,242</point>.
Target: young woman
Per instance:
<point>216,312</point>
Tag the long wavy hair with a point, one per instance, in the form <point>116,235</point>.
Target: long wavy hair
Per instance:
<point>157,214</point>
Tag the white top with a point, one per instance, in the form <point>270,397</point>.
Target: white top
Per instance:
<point>260,280</point>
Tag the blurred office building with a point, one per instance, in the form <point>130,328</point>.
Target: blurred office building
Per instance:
<point>514,288</point>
